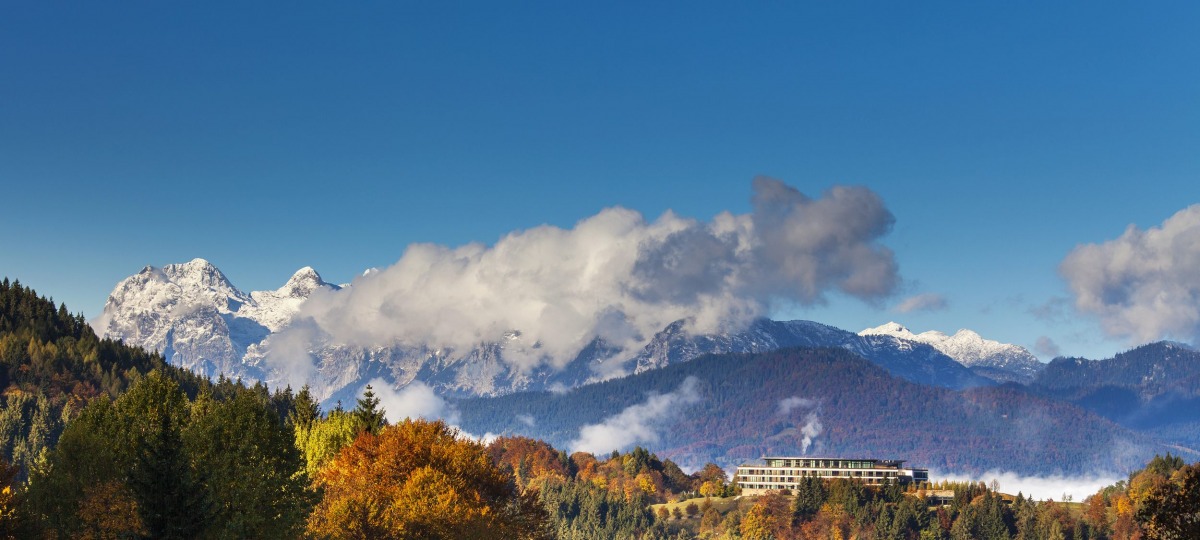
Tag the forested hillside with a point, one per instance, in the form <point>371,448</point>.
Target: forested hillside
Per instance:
<point>1154,388</point>
<point>862,411</point>
<point>51,364</point>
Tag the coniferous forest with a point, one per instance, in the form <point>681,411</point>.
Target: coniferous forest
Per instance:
<point>102,440</point>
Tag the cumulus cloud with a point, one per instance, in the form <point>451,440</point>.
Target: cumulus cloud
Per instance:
<point>1143,286</point>
<point>417,400</point>
<point>1046,347</point>
<point>921,302</point>
<point>617,277</point>
<point>1039,487</point>
<point>637,424</point>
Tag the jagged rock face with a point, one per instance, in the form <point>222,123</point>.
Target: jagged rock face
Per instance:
<point>198,319</point>
<point>1002,362</point>
<point>201,321</point>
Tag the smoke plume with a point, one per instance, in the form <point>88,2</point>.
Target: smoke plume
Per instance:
<point>812,422</point>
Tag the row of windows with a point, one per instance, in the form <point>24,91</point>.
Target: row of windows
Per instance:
<point>873,472</point>
<point>767,476</point>
<point>822,463</point>
<point>785,485</point>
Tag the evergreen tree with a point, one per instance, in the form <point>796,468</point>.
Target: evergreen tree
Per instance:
<point>305,410</point>
<point>810,495</point>
<point>171,499</point>
<point>369,416</point>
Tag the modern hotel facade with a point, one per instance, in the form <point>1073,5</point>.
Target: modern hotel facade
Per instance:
<point>773,473</point>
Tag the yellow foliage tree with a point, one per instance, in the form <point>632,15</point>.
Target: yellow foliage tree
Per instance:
<point>108,511</point>
<point>757,524</point>
<point>420,479</point>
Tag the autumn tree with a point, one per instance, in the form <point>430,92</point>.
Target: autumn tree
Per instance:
<point>420,479</point>
<point>1171,510</point>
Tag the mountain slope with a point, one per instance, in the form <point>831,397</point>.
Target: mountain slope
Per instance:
<point>1002,362</point>
<point>1155,388</point>
<point>742,412</point>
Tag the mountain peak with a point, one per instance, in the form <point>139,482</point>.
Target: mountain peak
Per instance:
<point>306,274</point>
<point>891,329</point>
<point>303,283</point>
<point>970,349</point>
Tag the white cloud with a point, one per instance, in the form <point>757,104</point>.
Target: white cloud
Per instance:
<point>618,277</point>
<point>1038,487</point>
<point>637,424</point>
<point>287,354</point>
<point>921,302</point>
<point>417,400</point>
<point>527,419</point>
<point>1144,285</point>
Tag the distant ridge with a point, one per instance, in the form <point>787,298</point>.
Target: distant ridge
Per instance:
<point>862,410</point>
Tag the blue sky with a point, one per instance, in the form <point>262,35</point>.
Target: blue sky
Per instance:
<point>266,138</point>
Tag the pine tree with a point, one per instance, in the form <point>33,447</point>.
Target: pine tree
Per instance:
<point>306,410</point>
<point>368,414</point>
<point>810,495</point>
<point>171,499</point>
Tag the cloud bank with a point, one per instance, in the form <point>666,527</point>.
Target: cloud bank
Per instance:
<point>637,424</point>
<point>618,277</point>
<point>1039,487</point>
<point>1144,285</point>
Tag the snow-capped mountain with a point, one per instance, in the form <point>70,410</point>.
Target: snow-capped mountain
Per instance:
<point>908,359</point>
<point>998,361</point>
<point>199,320</point>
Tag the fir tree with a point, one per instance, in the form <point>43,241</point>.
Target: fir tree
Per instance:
<point>368,414</point>
<point>171,499</point>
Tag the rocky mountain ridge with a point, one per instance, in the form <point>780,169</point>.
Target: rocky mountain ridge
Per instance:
<point>199,320</point>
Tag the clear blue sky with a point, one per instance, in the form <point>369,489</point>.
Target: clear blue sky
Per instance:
<point>266,138</point>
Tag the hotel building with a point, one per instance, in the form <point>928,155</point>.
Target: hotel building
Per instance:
<point>772,473</point>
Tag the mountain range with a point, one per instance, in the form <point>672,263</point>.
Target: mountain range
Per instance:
<point>958,401</point>
<point>199,320</point>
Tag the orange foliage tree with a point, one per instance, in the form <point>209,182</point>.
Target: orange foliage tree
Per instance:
<point>420,479</point>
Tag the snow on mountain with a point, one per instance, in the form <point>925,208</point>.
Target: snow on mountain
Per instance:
<point>992,359</point>
<point>199,320</point>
